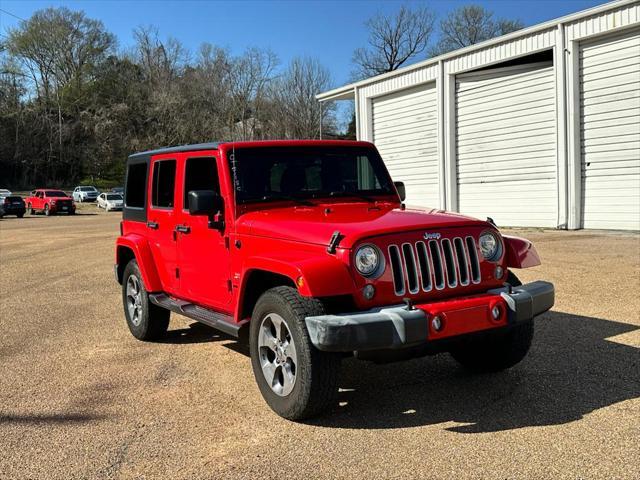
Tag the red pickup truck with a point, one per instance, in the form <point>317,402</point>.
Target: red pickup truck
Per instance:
<point>50,202</point>
<point>307,248</point>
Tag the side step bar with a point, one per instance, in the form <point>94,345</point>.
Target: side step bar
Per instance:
<point>211,318</point>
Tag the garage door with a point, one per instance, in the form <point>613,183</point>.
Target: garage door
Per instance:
<point>405,131</point>
<point>506,145</point>
<point>610,132</point>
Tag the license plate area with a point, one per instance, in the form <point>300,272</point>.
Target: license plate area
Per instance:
<point>463,316</point>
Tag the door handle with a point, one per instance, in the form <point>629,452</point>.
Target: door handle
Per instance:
<point>153,225</point>
<point>183,228</point>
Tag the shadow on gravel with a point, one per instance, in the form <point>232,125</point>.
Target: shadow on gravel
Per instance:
<point>48,419</point>
<point>195,333</point>
<point>201,333</point>
<point>571,371</point>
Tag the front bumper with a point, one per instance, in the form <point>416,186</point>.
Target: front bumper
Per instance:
<point>399,327</point>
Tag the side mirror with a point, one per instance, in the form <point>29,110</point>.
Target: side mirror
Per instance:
<point>209,203</point>
<point>204,202</point>
<point>401,190</point>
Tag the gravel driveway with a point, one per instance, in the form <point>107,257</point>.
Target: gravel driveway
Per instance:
<point>81,398</point>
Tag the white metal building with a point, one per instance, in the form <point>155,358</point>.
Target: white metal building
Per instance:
<point>540,127</point>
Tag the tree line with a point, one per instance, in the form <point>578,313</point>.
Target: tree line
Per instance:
<point>73,105</point>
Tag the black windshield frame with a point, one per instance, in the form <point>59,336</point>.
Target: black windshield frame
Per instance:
<point>258,164</point>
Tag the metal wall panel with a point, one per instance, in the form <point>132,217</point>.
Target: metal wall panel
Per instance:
<point>610,131</point>
<point>506,145</point>
<point>405,131</point>
<point>603,22</point>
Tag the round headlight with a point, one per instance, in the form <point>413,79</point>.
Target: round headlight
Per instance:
<point>490,246</point>
<point>367,260</point>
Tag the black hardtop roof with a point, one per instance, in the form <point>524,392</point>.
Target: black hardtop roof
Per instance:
<point>178,149</point>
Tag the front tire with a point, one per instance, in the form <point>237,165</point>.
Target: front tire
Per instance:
<point>296,380</point>
<point>496,351</point>
<point>145,320</point>
<point>47,212</point>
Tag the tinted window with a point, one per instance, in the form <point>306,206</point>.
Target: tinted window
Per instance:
<point>114,196</point>
<point>201,173</point>
<point>271,173</point>
<point>14,198</point>
<point>55,193</point>
<point>136,185</point>
<point>164,180</point>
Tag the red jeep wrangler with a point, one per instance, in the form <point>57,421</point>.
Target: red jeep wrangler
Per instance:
<point>50,202</point>
<point>308,248</point>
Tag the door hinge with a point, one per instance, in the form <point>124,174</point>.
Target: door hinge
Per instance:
<point>229,285</point>
<point>226,243</point>
<point>177,273</point>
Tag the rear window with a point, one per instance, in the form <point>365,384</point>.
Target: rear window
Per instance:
<point>14,198</point>
<point>164,181</point>
<point>136,185</point>
<point>55,193</point>
<point>114,196</point>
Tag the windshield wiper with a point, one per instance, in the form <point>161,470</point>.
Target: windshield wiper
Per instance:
<point>343,193</point>
<point>279,196</point>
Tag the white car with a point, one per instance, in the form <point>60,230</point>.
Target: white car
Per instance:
<point>85,194</point>
<point>110,201</point>
<point>4,193</point>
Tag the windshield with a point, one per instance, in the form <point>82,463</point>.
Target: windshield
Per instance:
<point>114,196</point>
<point>87,189</point>
<point>280,173</point>
<point>55,193</point>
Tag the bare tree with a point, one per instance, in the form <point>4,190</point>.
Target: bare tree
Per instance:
<point>393,41</point>
<point>468,25</point>
<point>250,76</point>
<point>295,111</point>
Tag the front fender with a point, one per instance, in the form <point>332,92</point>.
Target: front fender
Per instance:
<point>142,252</point>
<point>315,276</point>
<point>520,253</point>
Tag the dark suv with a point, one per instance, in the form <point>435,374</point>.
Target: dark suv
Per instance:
<point>13,205</point>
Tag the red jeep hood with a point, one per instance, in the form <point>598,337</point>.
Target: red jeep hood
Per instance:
<point>353,220</point>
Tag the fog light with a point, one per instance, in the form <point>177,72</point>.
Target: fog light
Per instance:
<point>368,292</point>
<point>499,271</point>
<point>496,312</point>
<point>436,323</point>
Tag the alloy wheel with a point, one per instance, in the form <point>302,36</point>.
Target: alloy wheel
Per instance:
<point>277,354</point>
<point>134,300</point>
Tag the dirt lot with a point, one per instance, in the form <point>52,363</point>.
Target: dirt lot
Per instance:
<point>81,398</point>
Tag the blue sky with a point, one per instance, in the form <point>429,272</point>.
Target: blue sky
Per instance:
<point>329,30</point>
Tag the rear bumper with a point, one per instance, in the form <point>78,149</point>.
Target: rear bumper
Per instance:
<point>11,210</point>
<point>398,327</point>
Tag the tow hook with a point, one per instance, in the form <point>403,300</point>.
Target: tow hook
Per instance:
<point>409,303</point>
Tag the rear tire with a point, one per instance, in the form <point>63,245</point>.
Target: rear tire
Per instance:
<point>498,350</point>
<point>30,210</point>
<point>145,320</point>
<point>47,212</point>
<point>303,381</point>
<point>20,215</point>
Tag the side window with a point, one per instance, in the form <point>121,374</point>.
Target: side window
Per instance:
<point>164,181</point>
<point>136,185</point>
<point>200,173</point>
<point>39,194</point>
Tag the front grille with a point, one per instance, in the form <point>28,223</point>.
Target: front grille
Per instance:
<point>63,203</point>
<point>434,264</point>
